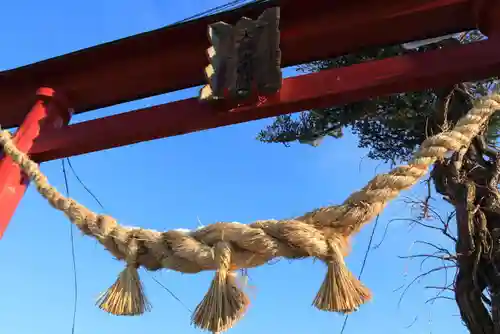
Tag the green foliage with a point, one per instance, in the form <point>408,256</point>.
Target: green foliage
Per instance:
<point>390,126</point>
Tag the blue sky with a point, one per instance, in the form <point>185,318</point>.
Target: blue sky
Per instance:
<point>216,175</point>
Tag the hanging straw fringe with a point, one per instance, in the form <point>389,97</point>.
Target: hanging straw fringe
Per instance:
<point>340,291</point>
<point>126,296</point>
<point>224,304</point>
<point>257,243</point>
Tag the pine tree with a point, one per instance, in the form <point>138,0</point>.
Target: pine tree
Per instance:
<point>390,126</point>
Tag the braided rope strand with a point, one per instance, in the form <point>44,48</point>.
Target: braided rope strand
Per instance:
<point>257,243</point>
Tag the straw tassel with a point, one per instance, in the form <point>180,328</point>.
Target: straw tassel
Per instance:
<point>126,296</point>
<point>224,304</point>
<point>340,291</point>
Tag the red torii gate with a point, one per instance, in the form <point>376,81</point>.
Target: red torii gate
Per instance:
<point>173,58</point>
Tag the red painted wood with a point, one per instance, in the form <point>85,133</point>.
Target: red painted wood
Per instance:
<point>487,13</point>
<point>173,58</point>
<point>331,87</point>
<point>46,114</point>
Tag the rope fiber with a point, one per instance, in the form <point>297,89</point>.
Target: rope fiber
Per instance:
<point>226,246</point>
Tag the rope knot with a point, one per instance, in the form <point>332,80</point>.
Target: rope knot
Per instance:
<point>126,296</point>
<point>340,291</point>
<point>132,251</point>
<point>225,303</point>
<point>222,257</point>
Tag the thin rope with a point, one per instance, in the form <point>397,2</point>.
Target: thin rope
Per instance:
<point>171,293</point>
<point>229,6</point>
<point>73,255</point>
<point>363,264</point>
<point>83,184</point>
<point>87,189</point>
<point>212,11</point>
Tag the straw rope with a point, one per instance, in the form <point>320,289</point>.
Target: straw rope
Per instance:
<point>322,233</point>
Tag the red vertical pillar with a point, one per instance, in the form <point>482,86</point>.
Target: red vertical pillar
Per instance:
<point>48,113</point>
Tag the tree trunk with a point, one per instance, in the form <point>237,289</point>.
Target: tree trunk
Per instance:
<point>469,181</point>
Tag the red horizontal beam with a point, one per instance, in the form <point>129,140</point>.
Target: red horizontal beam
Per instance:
<point>173,58</point>
<point>331,87</point>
